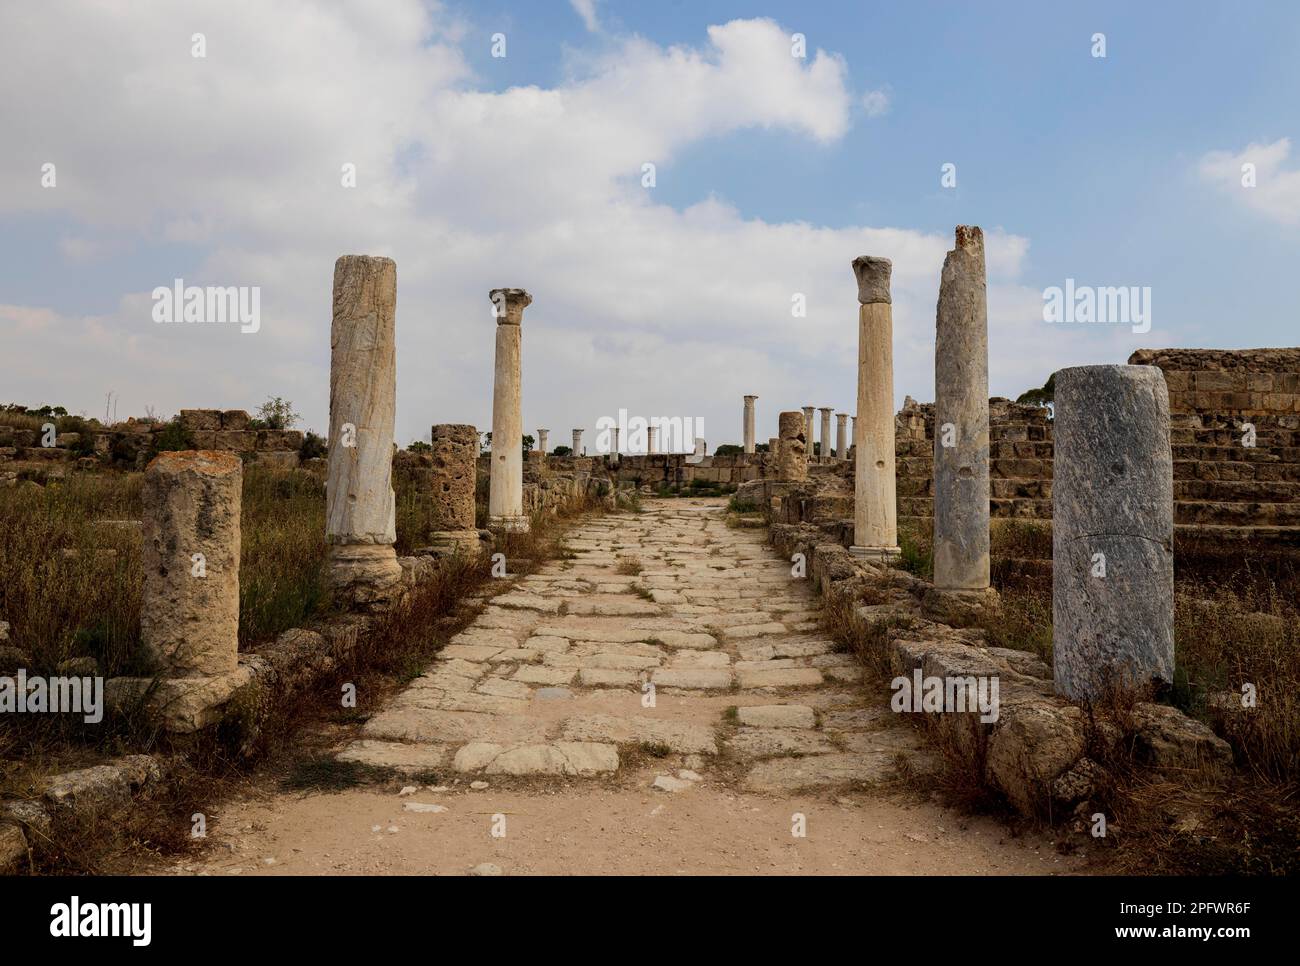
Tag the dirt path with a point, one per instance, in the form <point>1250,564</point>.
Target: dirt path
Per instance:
<point>662,702</point>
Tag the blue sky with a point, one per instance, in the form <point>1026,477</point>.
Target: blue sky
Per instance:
<point>1113,171</point>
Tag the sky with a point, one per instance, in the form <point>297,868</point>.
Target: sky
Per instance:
<point>127,162</point>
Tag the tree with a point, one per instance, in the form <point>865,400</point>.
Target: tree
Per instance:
<point>562,451</point>
<point>728,449</point>
<point>1041,397</point>
<point>275,413</point>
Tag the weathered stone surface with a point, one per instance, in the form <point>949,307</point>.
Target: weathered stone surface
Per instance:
<point>534,674</point>
<point>961,412</point>
<point>875,532</point>
<point>1031,746</point>
<point>1113,515</point>
<point>453,727</point>
<point>797,677</point>
<point>677,736</point>
<point>770,742</point>
<point>402,757</point>
<point>713,679</point>
<point>102,786</point>
<point>777,716</point>
<point>558,758</point>
<point>505,494</point>
<point>189,608</point>
<point>778,775</point>
<point>1169,740</point>
<point>359,511</point>
<point>13,848</point>
<point>792,465</point>
<point>454,457</point>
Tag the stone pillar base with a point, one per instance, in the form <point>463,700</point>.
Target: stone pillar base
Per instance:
<point>519,524</point>
<point>447,543</point>
<point>961,608</point>
<point>883,555</point>
<point>180,705</point>
<point>364,572</point>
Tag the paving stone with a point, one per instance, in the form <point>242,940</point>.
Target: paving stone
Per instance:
<point>501,688</point>
<point>452,727</point>
<point>545,605</point>
<point>753,630</point>
<point>470,652</point>
<point>780,775</point>
<point>677,736</point>
<point>536,674</point>
<point>777,716</point>
<point>605,677</point>
<point>769,742</point>
<point>710,679</point>
<point>798,677</point>
<point>697,659</point>
<point>403,757</point>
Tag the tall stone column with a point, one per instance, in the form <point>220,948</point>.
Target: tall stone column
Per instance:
<point>651,439</point>
<point>809,430</point>
<point>875,531</point>
<point>614,441</point>
<point>541,440</point>
<point>506,489</point>
<point>359,505</point>
<point>749,424</point>
<point>961,436</point>
<point>189,605</point>
<point>455,454</point>
<point>792,459</point>
<point>577,443</point>
<point>825,455</point>
<point>842,436</point>
<point>1112,530</point>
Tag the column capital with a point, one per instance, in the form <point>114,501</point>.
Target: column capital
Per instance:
<point>826,409</point>
<point>873,278</point>
<point>509,305</point>
<point>750,398</point>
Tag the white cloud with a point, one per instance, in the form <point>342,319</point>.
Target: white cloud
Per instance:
<point>875,103</point>
<point>1276,192</point>
<point>586,9</point>
<point>227,171</point>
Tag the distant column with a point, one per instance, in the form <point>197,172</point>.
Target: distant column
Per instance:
<point>1112,531</point>
<point>359,504</point>
<point>875,507</point>
<point>577,442</point>
<point>749,424</point>
<point>809,430</point>
<point>541,439</point>
<point>651,434</point>
<point>826,453</point>
<point>615,442</point>
<point>841,436</point>
<point>506,490</point>
<point>792,459</point>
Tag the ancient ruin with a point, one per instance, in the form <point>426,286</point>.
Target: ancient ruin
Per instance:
<point>876,521</point>
<point>454,458</point>
<point>506,497</point>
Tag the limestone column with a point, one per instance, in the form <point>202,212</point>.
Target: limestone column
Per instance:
<point>809,429</point>
<point>651,433</point>
<point>455,453</point>
<point>841,436</point>
<point>615,442</point>
<point>792,457</point>
<point>359,506</point>
<point>189,605</point>
<point>875,510</point>
<point>774,446</point>
<point>577,443</point>
<point>1112,530</point>
<point>825,456</point>
<point>749,424</point>
<point>506,489</point>
<point>961,419</point>
<point>541,440</point>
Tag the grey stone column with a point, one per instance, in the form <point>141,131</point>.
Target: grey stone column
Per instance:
<point>875,507</point>
<point>792,460</point>
<point>809,430</point>
<point>841,436</point>
<point>826,452</point>
<point>577,443</point>
<point>774,447</point>
<point>541,440</point>
<point>455,454</point>
<point>359,505</point>
<point>1112,530</point>
<point>189,603</point>
<point>961,437</point>
<point>506,488</point>
<point>651,439</point>
<point>748,427</point>
<point>614,442</point>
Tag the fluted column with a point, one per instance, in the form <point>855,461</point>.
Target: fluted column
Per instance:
<point>749,424</point>
<point>810,430</point>
<point>841,436</point>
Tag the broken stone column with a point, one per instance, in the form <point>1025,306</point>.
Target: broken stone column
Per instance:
<point>577,442</point>
<point>541,440</point>
<point>455,453</point>
<point>842,436</point>
<point>189,606</point>
<point>792,456</point>
<point>1112,531</point>
<point>359,505</point>
<point>749,424</point>
<point>506,488</point>
<point>875,532</point>
<point>774,446</point>
<point>809,430</point>
<point>961,436</point>
<point>824,456</point>
<point>651,435</point>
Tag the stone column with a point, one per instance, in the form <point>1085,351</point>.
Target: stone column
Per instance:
<point>651,433</point>
<point>792,459</point>
<point>577,443</point>
<point>359,506</point>
<point>875,532</point>
<point>825,456</point>
<point>1112,530</point>
<point>614,446</point>
<point>541,440</point>
<point>455,453</point>
<point>774,446</point>
<point>842,436</point>
<point>189,605</point>
<point>961,436</point>
<point>809,429</point>
<point>748,428</point>
<point>506,491</point>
